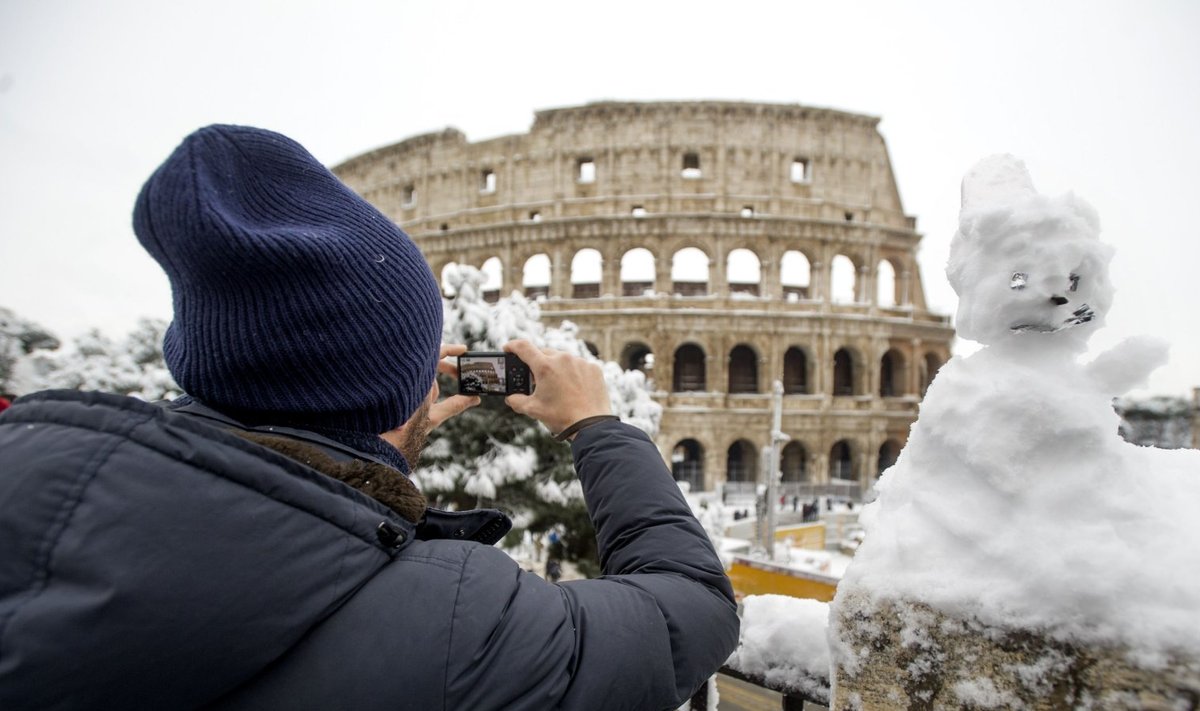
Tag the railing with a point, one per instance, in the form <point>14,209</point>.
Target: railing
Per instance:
<point>835,488</point>
<point>793,699</point>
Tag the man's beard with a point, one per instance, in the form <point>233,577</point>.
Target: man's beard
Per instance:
<point>415,435</point>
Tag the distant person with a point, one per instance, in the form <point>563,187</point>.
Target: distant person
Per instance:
<point>553,570</point>
<point>258,544</point>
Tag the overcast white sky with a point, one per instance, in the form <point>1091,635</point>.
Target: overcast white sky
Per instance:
<point>1102,98</point>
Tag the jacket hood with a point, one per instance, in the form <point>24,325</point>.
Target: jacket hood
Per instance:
<point>151,561</point>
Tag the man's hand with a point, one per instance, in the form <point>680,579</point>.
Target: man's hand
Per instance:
<point>567,388</point>
<point>453,405</point>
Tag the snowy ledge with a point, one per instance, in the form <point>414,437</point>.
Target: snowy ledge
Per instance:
<point>784,646</point>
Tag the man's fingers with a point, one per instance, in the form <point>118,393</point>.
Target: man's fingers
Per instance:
<point>451,406</point>
<point>526,351</point>
<point>518,403</point>
<point>448,350</point>
<point>447,367</point>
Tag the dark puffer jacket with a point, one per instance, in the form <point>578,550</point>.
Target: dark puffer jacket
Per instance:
<point>151,561</point>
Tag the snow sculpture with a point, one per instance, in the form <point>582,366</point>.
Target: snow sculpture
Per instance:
<point>1015,505</point>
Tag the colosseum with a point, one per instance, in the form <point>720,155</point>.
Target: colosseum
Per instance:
<point>720,247</point>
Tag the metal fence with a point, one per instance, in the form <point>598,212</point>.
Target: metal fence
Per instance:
<point>838,489</point>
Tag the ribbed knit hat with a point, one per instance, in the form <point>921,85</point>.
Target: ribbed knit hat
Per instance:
<point>295,300</point>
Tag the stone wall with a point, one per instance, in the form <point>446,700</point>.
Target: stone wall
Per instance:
<point>904,655</point>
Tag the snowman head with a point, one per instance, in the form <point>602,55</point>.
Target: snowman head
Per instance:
<point>1027,267</point>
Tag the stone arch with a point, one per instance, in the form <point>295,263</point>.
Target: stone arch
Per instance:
<point>689,369</point>
<point>493,279</point>
<point>930,365</point>
<point>841,461</point>
<point>535,276</point>
<point>637,272</point>
<point>741,463</point>
<point>892,370</point>
<point>795,274</point>
<point>743,272</point>
<point>886,284</point>
<point>689,272</point>
<point>743,369</point>
<point>636,355</point>
<point>843,280</point>
<point>687,463</point>
<point>587,266</point>
<point>889,452</point>
<point>847,372</point>
<point>793,463</point>
<point>795,371</point>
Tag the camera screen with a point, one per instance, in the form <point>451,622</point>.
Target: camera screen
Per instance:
<point>482,374</point>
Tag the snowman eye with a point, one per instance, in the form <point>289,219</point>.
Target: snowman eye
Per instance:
<point>1074,278</point>
<point>1018,281</point>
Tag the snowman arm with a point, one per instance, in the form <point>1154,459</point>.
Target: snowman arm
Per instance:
<point>1128,364</point>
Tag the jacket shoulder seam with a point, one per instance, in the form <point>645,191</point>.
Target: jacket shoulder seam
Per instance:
<point>62,522</point>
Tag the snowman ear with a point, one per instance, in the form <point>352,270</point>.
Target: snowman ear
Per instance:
<point>1083,210</point>
<point>995,182</point>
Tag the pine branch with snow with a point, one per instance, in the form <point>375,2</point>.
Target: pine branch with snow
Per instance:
<point>133,366</point>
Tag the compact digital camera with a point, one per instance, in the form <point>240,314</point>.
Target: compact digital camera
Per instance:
<point>488,373</point>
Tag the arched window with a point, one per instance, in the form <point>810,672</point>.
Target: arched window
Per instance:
<point>535,276</point>
<point>796,276</point>
<point>793,463</point>
<point>744,272</point>
<point>743,370</point>
<point>585,274</point>
<point>637,356</point>
<point>885,284</point>
<point>687,463</point>
<point>493,279</point>
<point>889,452</point>
<point>842,280</point>
<point>932,363</point>
<point>891,374</point>
<point>841,461</point>
<point>795,371</point>
<point>637,272</point>
<point>689,369</point>
<point>741,463</point>
<point>689,272</point>
<point>843,372</point>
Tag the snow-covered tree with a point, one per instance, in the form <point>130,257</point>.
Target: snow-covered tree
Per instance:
<point>19,338</point>
<point>492,456</point>
<point>133,366</point>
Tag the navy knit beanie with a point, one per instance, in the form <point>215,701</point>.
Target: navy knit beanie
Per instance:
<point>296,302</point>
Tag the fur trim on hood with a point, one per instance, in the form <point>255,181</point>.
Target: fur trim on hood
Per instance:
<point>384,484</point>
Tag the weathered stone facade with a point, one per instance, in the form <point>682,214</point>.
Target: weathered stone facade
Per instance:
<point>905,655</point>
<point>794,192</point>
